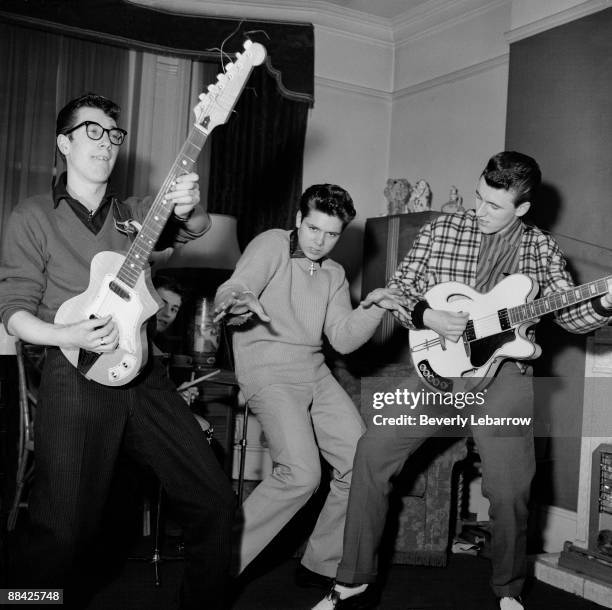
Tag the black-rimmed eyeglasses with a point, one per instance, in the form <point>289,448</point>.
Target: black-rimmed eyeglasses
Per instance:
<point>95,131</point>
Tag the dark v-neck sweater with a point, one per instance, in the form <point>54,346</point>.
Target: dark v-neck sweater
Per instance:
<point>47,252</point>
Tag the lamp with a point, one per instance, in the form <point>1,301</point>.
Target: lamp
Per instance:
<point>211,256</point>
<point>216,249</point>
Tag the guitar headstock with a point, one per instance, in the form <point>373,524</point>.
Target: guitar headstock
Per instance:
<point>215,106</point>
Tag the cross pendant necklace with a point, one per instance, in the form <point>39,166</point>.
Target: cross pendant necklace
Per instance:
<point>312,268</point>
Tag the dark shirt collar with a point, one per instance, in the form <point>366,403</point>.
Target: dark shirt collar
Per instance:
<point>294,248</point>
<point>94,221</point>
<point>60,191</point>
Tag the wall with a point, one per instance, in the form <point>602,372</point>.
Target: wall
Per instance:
<point>449,105</point>
<point>347,141</point>
<point>559,111</point>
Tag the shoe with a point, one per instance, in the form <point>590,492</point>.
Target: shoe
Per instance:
<point>511,603</point>
<point>366,599</point>
<point>306,578</point>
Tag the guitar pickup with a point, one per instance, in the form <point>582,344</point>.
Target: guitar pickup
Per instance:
<point>119,291</point>
<point>469,333</point>
<point>504,319</point>
<point>467,346</point>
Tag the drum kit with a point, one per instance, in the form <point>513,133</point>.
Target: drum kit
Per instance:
<point>188,390</point>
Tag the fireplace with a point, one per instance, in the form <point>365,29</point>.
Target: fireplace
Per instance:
<point>596,558</point>
<point>584,567</point>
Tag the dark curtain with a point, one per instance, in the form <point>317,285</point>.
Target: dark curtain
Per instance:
<point>257,158</point>
<point>42,70</point>
<point>158,30</point>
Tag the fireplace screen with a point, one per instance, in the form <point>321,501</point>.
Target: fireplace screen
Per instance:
<point>596,560</point>
<point>605,482</point>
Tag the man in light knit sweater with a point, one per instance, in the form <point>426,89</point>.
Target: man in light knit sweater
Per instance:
<point>284,295</point>
<point>477,248</point>
<point>81,426</point>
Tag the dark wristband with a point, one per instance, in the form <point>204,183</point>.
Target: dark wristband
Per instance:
<point>417,314</point>
<point>600,309</point>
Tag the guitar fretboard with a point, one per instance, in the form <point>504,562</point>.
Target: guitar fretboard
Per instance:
<point>558,300</point>
<point>160,210</point>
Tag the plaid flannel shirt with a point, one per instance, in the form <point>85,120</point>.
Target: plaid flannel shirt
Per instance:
<point>447,250</point>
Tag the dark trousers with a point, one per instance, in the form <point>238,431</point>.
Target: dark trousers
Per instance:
<point>508,467</point>
<point>81,428</point>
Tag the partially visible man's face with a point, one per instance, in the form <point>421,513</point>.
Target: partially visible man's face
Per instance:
<point>171,305</point>
<point>495,209</point>
<point>91,161</point>
<point>317,233</point>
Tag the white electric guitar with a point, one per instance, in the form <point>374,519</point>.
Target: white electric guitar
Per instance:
<point>496,330</point>
<point>120,284</point>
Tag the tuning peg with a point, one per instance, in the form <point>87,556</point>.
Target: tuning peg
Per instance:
<point>203,97</point>
<point>229,67</point>
<point>238,55</point>
<point>213,88</point>
<point>222,78</point>
<point>247,43</point>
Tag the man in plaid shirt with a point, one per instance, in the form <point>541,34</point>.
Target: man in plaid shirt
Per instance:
<point>477,248</point>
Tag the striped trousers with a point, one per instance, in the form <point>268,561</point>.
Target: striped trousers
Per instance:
<point>81,430</point>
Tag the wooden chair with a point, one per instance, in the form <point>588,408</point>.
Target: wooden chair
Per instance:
<point>27,410</point>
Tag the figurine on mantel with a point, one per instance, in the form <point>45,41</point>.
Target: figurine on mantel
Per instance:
<point>454,203</point>
<point>397,193</point>
<point>420,198</point>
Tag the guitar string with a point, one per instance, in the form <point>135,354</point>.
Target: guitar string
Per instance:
<point>158,207</point>
<point>227,38</point>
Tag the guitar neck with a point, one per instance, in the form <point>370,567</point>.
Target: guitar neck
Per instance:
<point>213,109</point>
<point>559,300</point>
<point>160,210</point>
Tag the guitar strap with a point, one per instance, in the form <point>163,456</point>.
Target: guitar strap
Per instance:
<point>124,223</point>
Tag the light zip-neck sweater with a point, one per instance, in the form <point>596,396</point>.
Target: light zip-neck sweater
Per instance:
<point>303,306</point>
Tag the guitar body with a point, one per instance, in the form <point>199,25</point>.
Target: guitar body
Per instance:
<point>471,363</point>
<point>130,309</point>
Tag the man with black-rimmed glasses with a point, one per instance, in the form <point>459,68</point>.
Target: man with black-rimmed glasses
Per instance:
<point>82,426</point>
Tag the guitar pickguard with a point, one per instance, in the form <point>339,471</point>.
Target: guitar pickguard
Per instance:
<point>86,360</point>
<point>481,350</point>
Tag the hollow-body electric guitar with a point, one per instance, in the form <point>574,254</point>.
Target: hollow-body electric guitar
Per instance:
<point>496,330</point>
<point>120,284</point>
